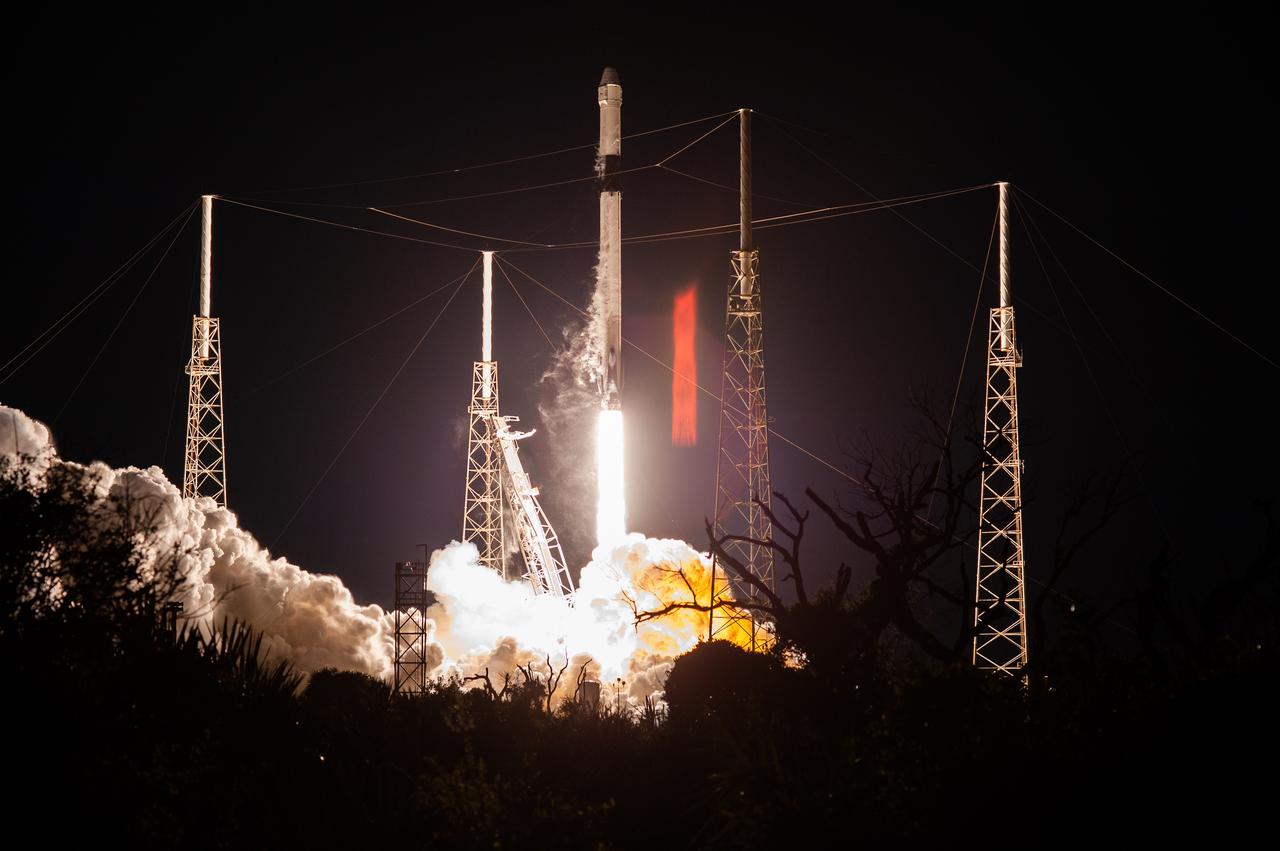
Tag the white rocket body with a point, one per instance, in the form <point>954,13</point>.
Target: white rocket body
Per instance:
<point>608,165</point>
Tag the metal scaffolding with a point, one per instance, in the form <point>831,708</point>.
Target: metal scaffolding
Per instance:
<point>742,468</point>
<point>482,501</point>
<point>545,567</point>
<point>412,599</point>
<point>205,460</point>
<point>1000,619</point>
<point>205,468</point>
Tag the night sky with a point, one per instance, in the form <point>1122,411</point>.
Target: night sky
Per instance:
<point>1148,144</point>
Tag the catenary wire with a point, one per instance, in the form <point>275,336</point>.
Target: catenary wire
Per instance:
<point>479,166</point>
<point>87,301</point>
<point>361,333</point>
<point>111,336</point>
<point>528,309</point>
<point>1093,378</point>
<point>1170,293</point>
<point>368,414</point>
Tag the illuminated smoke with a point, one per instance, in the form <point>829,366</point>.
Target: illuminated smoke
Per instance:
<point>483,622</point>
<point>684,390</point>
<point>308,618</point>
<point>479,621</point>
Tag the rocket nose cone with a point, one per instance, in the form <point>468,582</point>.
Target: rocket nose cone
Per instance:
<point>610,77</point>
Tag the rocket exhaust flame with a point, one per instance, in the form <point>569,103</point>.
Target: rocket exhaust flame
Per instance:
<point>611,509</point>
<point>684,390</point>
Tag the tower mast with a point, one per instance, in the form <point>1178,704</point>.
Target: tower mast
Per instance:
<point>205,459</point>
<point>742,467</point>
<point>999,615</point>
<point>482,502</point>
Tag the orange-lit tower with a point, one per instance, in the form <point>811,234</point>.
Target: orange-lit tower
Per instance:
<point>742,466</point>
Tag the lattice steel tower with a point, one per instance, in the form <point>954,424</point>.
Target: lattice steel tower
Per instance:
<point>482,504</point>
<point>742,467</point>
<point>411,671</point>
<point>205,463</point>
<point>1000,617</point>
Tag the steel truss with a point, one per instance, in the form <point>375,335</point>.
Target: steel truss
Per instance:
<point>742,468</point>
<point>1000,620</point>
<point>411,667</point>
<point>482,504</point>
<point>205,464</point>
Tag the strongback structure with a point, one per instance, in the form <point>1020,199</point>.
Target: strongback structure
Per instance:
<point>494,470</point>
<point>742,467</point>
<point>411,667</point>
<point>1000,619</point>
<point>205,460</point>
<point>482,504</point>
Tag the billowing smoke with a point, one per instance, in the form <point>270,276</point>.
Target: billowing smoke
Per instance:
<point>479,621</point>
<point>308,618</point>
<point>569,398</point>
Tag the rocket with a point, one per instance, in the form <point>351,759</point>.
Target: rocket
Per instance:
<point>608,167</point>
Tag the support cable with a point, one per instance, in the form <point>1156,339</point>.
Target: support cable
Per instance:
<point>122,318</point>
<point>964,360</point>
<point>368,413</point>
<point>785,220</point>
<point>478,166</point>
<point>1128,363</point>
<point>733,115</point>
<point>1170,293</point>
<point>1097,386</point>
<point>362,332</point>
<point>528,310</point>
<point>735,189</point>
<point>345,226</point>
<point>87,301</point>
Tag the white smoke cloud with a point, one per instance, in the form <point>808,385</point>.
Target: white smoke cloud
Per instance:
<point>308,618</point>
<point>479,620</point>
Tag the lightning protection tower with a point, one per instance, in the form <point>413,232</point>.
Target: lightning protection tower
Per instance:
<point>742,467</point>
<point>1000,618</point>
<point>411,671</point>
<point>205,465</point>
<point>482,503</point>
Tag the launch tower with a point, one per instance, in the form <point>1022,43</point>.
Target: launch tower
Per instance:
<point>1000,618</point>
<point>742,466</point>
<point>482,505</point>
<point>205,460</point>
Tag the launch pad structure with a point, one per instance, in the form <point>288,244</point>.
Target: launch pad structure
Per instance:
<point>411,601</point>
<point>999,611</point>
<point>204,471</point>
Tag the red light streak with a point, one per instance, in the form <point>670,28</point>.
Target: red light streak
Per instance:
<point>684,390</point>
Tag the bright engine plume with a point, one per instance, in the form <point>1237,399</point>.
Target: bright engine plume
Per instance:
<point>611,509</point>
<point>611,520</point>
